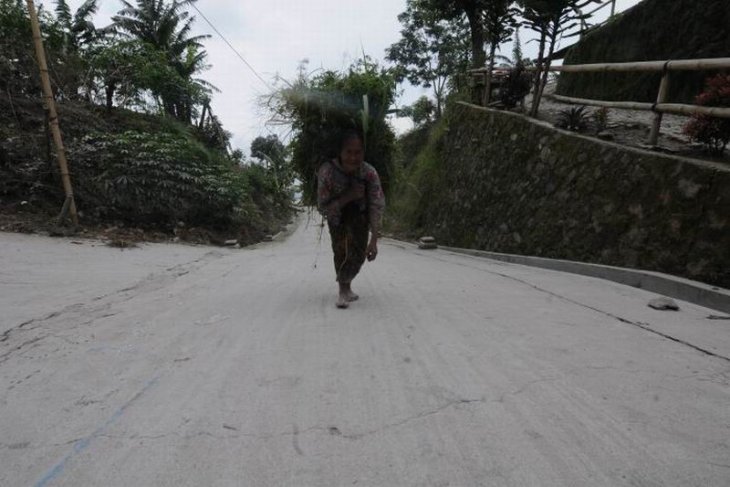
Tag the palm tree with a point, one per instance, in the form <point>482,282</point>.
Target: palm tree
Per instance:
<point>199,90</point>
<point>77,34</point>
<point>78,29</point>
<point>165,26</point>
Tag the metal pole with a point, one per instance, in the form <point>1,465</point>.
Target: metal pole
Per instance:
<point>51,105</point>
<point>613,8</point>
<point>661,98</point>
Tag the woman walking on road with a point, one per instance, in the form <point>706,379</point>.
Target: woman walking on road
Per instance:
<point>350,196</point>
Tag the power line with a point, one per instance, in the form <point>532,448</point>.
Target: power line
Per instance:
<point>231,46</point>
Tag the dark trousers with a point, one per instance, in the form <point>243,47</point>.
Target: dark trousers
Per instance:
<point>349,242</point>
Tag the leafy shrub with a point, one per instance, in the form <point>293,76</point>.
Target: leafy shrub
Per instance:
<point>156,178</point>
<point>516,86</point>
<point>410,202</point>
<point>574,119</point>
<point>421,112</point>
<point>713,132</point>
<point>409,145</point>
<point>600,119</point>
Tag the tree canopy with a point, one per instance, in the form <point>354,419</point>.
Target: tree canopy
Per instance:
<point>431,49</point>
<point>270,151</point>
<point>165,27</point>
<point>549,19</point>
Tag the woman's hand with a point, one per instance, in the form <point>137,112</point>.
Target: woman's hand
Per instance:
<point>372,251</point>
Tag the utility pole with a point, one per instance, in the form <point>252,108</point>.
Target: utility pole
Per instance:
<point>50,103</point>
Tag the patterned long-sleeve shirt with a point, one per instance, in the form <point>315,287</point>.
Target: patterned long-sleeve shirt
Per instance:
<point>333,182</point>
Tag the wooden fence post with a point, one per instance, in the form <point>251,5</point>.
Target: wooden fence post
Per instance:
<point>661,98</point>
<point>487,95</point>
<point>53,114</point>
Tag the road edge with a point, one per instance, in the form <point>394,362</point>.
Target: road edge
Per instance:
<point>665,284</point>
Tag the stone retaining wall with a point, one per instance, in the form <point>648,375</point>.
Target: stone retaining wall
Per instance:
<point>515,185</point>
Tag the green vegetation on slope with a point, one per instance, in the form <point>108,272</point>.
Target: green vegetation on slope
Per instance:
<point>138,169</point>
<point>144,148</point>
<point>418,177</point>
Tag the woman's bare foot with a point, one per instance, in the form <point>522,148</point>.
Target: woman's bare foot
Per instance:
<point>346,295</point>
<point>342,301</point>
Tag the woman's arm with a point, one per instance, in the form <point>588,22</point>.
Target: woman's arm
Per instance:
<point>376,207</point>
<point>376,199</point>
<point>328,203</point>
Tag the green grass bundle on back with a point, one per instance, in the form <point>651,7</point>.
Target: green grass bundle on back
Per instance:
<point>320,108</point>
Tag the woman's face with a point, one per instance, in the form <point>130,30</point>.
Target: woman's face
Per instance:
<point>351,155</point>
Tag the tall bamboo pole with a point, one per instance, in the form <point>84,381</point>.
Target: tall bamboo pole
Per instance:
<point>51,105</point>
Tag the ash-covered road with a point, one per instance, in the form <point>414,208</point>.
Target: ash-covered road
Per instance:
<point>189,366</point>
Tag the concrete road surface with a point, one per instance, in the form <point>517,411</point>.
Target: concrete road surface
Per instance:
<point>192,366</point>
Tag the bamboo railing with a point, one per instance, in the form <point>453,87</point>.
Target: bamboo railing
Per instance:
<point>646,66</point>
<point>661,106</point>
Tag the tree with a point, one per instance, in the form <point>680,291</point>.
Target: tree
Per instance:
<point>166,26</point>
<point>270,151</point>
<point>79,37</point>
<point>550,19</point>
<point>499,23</point>
<point>163,25</point>
<point>78,29</point>
<point>115,67</point>
<point>421,112</point>
<point>16,51</point>
<point>472,9</point>
<point>490,22</point>
<point>212,133</point>
<point>267,147</point>
<point>430,50</point>
<point>517,56</point>
<point>197,90</point>
<point>128,70</point>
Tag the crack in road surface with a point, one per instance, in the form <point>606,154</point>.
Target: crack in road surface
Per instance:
<point>79,445</point>
<point>152,282</point>
<point>641,325</point>
<point>257,379</point>
<point>295,433</point>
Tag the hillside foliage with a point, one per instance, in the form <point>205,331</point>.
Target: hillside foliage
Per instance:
<point>143,145</point>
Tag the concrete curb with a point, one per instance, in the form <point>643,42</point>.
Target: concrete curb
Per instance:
<point>664,284</point>
<point>671,286</point>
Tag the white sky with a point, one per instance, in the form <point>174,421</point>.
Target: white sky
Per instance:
<point>275,35</point>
